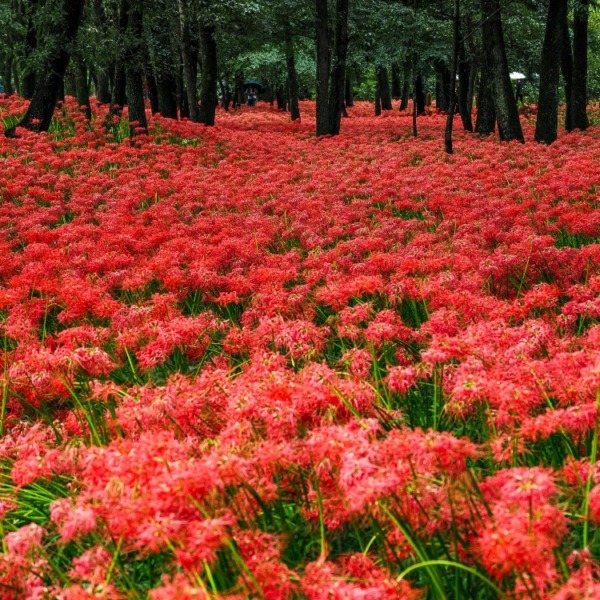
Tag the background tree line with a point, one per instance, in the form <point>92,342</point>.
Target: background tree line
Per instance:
<point>186,56</point>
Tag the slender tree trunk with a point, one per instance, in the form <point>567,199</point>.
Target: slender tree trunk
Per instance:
<point>119,95</point>
<point>349,96</point>
<point>419,95</point>
<point>566,67</point>
<point>101,72</point>
<point>189,61</point>
<point>396,83</point>
<point>580,65</point>
<point>384,87</point>
<point>505,104</point>
<point>406,81</point>
<point>7,75</point>
<point>486,114</point>
<point>443,79</point>
<point>48,83</point>
<point>166,89</point>
<point>208,100</point>
<point>464,85</point>
<point>81,86</point>
<point>448,146</point>
<point>323,65</point>
<point>546,127</point>
<point>134,60</point>
<point>151,88</point>
<point>292,77</point>
<point>338,75</point>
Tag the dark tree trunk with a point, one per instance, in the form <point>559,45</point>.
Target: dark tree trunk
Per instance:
<point>118,97</point>
<point>338,75</point>
<point>486,114</point>
<point>7,76</point>
<point>406,80</point>
<point>323,65</point>
<point>377,97</point>
<point>566,67</point>
<point>580,65</point>
<point>152,88</point>
<point>396,82</point>
<point>292,78</point>
<point>166,89</point>
<point>546,127</point>
<point>28,77</point>
<point>442,87</point>
<point>102,82</point>
<point>238,99</point>
<point>134,69</point>
<point>509,126</point>
<point>81,86</point>
<point>419,95</point>
<point>189,59</point>
<point>48,83</point>
<point>455,57</point>
<point>383,84</point>
<point>208,100</point>
<point>281,99</point>
<point>464,87</point>
<point>349,95</point>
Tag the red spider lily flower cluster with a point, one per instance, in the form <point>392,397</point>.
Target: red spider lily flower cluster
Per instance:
<point>242,362</point>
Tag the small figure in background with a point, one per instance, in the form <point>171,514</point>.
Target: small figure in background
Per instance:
<point>519,91</point>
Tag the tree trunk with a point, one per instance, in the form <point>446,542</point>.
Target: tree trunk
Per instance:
<point>188,57</point>
<point>384,87</point>
<point>102,87</point>
<point>455,56</point>
<point>28,76</point>
<point>505,105</point>
<point>443,79</point>
<point>464,86</point>
<point>396,83</point>
<point>377,96</point>
<point>48,83</point>
<point>292,78</point>
<point>338,75</point>
<point>580,65</point>
<point>486,114</point>
<point>152,88</point>
<point>566,67</point>
<point>419,95</point>
<point>166,89</point>
<point>208,99</point>
<point>7,75</point>
<point>118,97</point>
<point>323,65</point>
<point>406,79</point>
<point>349,95</point>
<point>134,69</point>
<point>82,89</point>
<point>546,127</point>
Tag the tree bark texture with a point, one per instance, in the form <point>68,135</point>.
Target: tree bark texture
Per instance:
<point>580,65</point>
<point>134,68</point>
<point>323,65</point>
<point>546,127</point>
<point>292,77</point>
<point>384,87</point>
<point>188,57</point>
<point>505,105</point>
<point>208,98</point>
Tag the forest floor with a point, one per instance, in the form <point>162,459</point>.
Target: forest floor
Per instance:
<point>241,362</point>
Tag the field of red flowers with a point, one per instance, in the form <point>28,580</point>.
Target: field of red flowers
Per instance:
<point>241,362</point>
